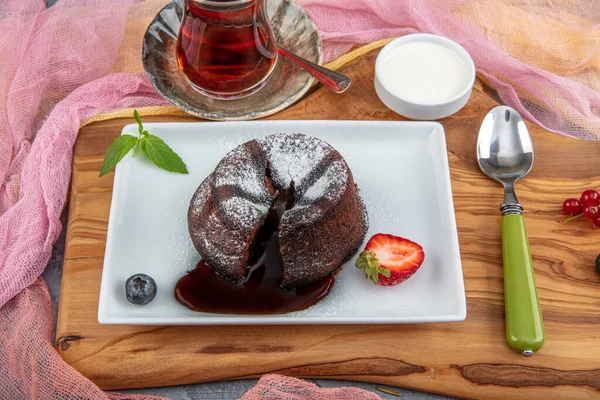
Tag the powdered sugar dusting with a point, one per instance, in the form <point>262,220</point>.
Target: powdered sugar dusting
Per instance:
<point>330,185</point>
<point>292,157</point>
<point>320,178</point>
<point>217,252</point>
<point>241,172</point>
<point>247,213</point>
<point>234,247</point>
<point>201,195</point>
<point>303,214</point>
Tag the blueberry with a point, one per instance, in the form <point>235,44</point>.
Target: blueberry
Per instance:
<point>598,263</point>
<point>140,289</point>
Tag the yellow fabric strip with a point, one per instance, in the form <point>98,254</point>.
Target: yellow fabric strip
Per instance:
<point>172,110</point>
<point>361,51</point>
<point>143,111</point>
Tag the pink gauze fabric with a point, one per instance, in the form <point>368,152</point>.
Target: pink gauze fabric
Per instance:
<point>542,58</point>
<point>62,65</point>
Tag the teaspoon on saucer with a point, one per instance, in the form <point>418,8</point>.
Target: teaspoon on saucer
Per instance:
<point>333,80</point>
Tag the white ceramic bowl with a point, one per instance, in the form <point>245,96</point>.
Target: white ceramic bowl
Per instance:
<point>423,110</point>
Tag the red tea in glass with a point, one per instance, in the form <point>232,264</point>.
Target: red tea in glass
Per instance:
<point>226,48</point>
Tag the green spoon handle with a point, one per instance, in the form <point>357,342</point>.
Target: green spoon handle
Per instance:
<point>524,326</point>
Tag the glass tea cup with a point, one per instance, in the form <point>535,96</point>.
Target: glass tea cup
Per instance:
<point>226,49</point>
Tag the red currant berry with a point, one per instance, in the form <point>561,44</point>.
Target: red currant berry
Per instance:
<point>572,207</point>
<point>596,221</point>
<point>590,211</point>
<point>590,197</point>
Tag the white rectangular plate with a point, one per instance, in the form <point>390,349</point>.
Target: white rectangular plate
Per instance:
<point>401,169</point>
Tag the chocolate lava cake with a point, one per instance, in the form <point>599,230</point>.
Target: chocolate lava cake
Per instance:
<point>323,222</point>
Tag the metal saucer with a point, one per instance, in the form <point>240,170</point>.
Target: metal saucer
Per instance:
<point>293,29</point>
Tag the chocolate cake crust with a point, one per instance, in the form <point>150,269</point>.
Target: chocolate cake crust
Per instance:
<point>323,227</point>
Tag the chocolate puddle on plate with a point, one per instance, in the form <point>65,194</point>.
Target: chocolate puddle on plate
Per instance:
<point>259,293</point>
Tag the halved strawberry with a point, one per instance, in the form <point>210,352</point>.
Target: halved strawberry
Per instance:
<point>389,260</point>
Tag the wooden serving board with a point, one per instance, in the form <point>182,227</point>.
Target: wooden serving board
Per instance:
<point>466,359</point>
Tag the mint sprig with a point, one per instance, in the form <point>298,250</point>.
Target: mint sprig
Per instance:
<point>153,147</point>
<point>116,151</point>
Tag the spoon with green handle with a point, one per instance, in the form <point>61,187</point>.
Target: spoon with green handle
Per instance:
<point>505,154</point>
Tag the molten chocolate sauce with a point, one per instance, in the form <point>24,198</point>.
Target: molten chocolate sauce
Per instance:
<point>259,292</point>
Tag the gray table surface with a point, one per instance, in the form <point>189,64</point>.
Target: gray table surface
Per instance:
<point>214,390</point>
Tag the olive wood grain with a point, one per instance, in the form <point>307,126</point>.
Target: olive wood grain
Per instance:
<point>467,359</point>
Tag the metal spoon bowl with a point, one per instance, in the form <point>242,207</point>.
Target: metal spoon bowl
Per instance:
<point>504,147</point>
<point>505,154</point>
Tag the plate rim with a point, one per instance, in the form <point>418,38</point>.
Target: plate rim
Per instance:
<point>288,319</point>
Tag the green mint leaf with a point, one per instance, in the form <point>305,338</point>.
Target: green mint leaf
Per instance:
<point>137,147</point>
<point>116,151</point>
<point>137,118</point>
<point>155,149</point>
<point>162,155</point>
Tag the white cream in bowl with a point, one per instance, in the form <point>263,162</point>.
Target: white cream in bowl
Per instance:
<point>424,76</point>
